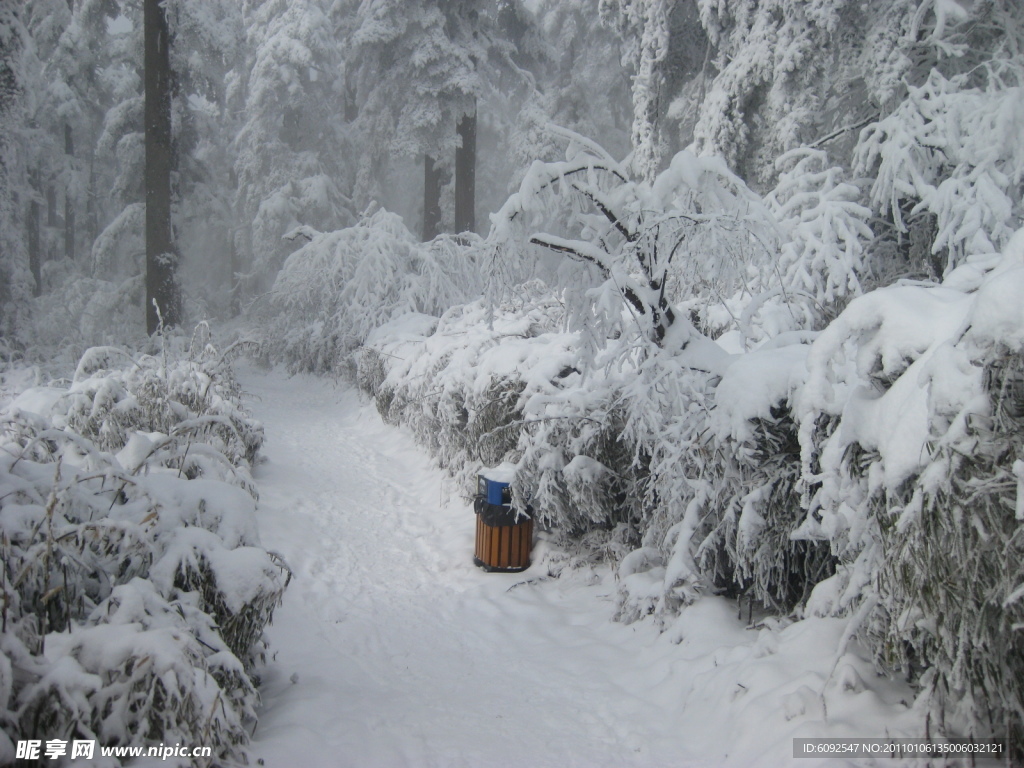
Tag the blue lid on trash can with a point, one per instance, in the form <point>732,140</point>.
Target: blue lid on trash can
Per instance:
<point>493,484</point>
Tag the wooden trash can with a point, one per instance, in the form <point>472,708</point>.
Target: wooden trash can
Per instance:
<point>504,535</point>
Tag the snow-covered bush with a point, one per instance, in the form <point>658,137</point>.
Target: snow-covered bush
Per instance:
<point>635,423</point>
<point>193,402</point>
<point>695,231</point>
<point>135,588</point>
<point>631,446</point>
<point>721,486</point>
<point>463,382</point>
<point>911,441</point>
<point>336,289</point>
<point>725,461</point>
<point>574,464</point>
<point>634,441</point>
<point>486,385</point>
<point>823,259</point>
<point>82,312</point>
<point>952,150</point>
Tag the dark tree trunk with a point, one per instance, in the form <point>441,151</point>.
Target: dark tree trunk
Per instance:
<point>69,208</point>
<point>161,258</point>
<point>431,198</point>
<point>92,224</point>
<point>51,206</point>
<point>35,257</point>
<point>351,96</point>
<point>465,175</point>
<point>236,270</point>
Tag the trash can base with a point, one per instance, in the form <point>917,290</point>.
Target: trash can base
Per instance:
<point>495,569</point>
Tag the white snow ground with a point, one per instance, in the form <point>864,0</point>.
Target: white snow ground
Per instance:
<point>393,650</point>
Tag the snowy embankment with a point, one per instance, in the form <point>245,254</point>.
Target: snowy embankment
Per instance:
<point>392,649</point>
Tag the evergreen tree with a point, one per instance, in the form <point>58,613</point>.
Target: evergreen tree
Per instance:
<point>291,155</point>
<point>422,69</point>
<point>14,277</point>
<point>667,49</point>
<point>583,85</point>
<point>210,38</point>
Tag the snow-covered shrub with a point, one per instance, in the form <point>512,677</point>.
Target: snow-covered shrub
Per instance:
<point>952,150</point>
<point>635,423</point>
<point>486,385</point>
<point>135,588</point>
<point>721,486</point>
<point>336,289</point>
<point>575,466</point>
<point>632,442</point>
<point>632,445</point>
<point>465,383</point>
<point>911,440</point>
<point>140,669</point>
<point>195,402</point>
<point>695,231</point>
<point>822,262</point>
<point>82,312</point>
<point>753,486</point>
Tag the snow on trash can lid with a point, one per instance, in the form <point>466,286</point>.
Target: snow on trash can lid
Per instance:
<point>494,483</point>
<point>503,473</point>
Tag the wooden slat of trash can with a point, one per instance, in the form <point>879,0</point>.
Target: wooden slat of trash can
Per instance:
<point>494,556</point>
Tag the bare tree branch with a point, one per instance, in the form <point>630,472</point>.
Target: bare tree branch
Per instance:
<point>846,129</point>
<point>573,172</point>
<point>608,213</point>
<point>628,293</point>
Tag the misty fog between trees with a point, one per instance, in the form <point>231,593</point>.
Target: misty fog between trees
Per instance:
<point>737,287</point>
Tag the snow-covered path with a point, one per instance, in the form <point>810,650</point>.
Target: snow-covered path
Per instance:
<point>392,649</point>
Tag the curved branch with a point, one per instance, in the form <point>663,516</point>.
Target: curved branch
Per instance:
<point>608,213</point>
<point>573,172</point>
<point>575,253</point>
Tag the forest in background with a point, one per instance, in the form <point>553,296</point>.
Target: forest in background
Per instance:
<point>293,117</point>
<point>733,284</point>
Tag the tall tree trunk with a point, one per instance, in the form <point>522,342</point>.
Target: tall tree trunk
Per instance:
<point>431,198</point>
<point>465,175</point>
<point>35,258</point>
<point>161,258</point>
<point>235,266</point>
<point>92,222</point>
<point>351,96</point>
<point>69,208</point>
<point>51,206</point>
